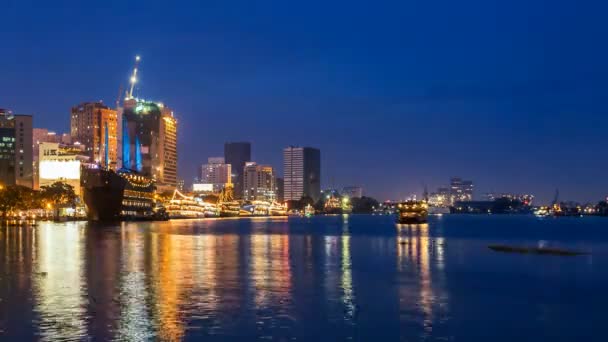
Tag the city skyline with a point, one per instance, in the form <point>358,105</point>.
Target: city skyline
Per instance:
<point>489,116</point>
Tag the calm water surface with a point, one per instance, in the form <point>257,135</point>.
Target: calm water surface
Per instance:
<point>359,278</point>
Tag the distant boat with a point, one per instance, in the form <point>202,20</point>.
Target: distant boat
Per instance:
<point>309,211</point>
<point>182,206</point>
<point>438,210</point>
<point>277,209</point>
<point>412,212</point>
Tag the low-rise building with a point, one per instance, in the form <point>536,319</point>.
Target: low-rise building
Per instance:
<point>60,163</point>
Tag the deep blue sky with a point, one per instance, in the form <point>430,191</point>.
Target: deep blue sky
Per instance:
<point>511,94</point>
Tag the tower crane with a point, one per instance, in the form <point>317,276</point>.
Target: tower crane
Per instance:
<point>133,79</point>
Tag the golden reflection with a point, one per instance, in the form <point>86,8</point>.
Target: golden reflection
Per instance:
<point>271,272</point>
<point>418,251</point>
<point>207,270</point>
<point>134,324</point>
<point>59,282</point>
<point>173,274</point>
<point>347,278</point>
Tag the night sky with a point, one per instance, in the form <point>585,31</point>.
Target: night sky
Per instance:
<point>511,94</point>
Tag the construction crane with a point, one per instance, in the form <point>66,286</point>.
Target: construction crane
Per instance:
<point>556,197</point>
<point>118,97</point>
<point>133,79</point>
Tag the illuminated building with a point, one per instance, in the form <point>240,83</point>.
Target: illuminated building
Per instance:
<point>95,125</point>
<point>16,160</point>
<point>59,163</point>
<point>441,198</point>
<point>259,182</point>
<point>149,142</point>
<point>237,154</point>
<point>461,190</point>
<point>302,167</point>
<point>216,173</point>
<point>42,135</point>
<point>202,187</point>
<point>180,184</point>
<point>525,199</point>
<point>352,191</point>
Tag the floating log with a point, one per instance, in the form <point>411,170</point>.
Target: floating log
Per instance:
<point>534,250</point>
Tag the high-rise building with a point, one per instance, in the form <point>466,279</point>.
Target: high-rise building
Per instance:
<point>302,167</point>
<point>95,125</point>
<point>181,184</point>
<point>216,173</point>
<point>149,142</point>
<point>352,191</point>
<point>16,160</point>
<point>280,190</point>
<point>237,154</point>
<point>460,190</point>
<point>259,182</point>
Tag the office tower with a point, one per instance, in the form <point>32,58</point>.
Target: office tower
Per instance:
<point>259,182</point>
<point>352,191</point>
<point>237,154</point>
<point>280,190</point>
<point>95,125</point>
<point>216,173</point>
<point>467,189</point>
<point>149,142</point>
<point>302,167</point>
<point>16,160</point>
<point>460,190</point>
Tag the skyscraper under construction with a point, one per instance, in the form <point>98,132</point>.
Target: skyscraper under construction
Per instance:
<point>149,141</point>
<point>148,135</point>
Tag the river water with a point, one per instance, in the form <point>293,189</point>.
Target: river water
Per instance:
<point>336,278</point>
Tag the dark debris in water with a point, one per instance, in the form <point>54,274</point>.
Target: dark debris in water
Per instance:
<point>535,250</point>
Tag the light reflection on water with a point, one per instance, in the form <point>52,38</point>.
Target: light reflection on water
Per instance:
<point>333,278</point>
<point>58,273</point>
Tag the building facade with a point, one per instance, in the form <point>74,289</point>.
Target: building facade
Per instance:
<point>149,142</point>
<point>216,173</point>
<point>280,190</point>
<point>60,163</point>
<point>16,160</point>
<point>461,190</point>
<point>42,135</point>
<point>302,168</point>
<point>237,154</point>
<point>259,183</point>
<point>95,125</point>
<point>441,198</point>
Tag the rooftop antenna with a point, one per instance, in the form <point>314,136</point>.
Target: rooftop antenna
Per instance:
<point>133,79</point>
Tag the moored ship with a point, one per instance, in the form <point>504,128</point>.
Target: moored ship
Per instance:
<point>114,195</point>
<point>102,192</point>
<point>412,212</point>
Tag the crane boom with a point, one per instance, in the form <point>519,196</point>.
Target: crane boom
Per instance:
<point>133,79</point>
